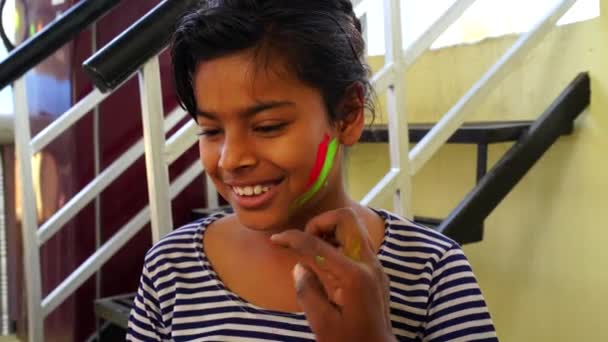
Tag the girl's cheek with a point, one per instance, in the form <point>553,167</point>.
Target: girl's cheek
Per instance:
<point>208,157</point>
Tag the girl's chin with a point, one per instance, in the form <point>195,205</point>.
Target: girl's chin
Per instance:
<point>263,221</point>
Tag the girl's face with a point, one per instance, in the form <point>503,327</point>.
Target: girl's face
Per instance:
<point>260,133</point>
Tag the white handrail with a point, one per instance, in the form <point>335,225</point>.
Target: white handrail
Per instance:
<point>194,170</point>
<point>113,245</point>
<point>89,192</point>
<point>76,112</point>
<point>100,183</point>
<point>417,48</point>
<point>180,142</point>
<point>174,118</point>
<point>385,77</point>
<point>388,184</point>
<point>66,120</point>
<point>388,75</point>
<point>456,116</point>
<point>94,262</point>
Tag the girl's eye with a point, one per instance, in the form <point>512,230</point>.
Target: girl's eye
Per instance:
<point>208,132</point>
<point>270,128</point>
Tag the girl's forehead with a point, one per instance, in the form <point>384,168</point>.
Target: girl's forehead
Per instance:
<point>243,70</point>
<point>236,78</point>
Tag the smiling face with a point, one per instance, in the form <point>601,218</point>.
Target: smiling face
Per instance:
<point>260,135</point>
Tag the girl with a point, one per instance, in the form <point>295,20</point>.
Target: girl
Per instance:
<point>279,88</point>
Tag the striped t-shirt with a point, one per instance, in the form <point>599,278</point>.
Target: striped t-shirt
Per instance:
<point>434,295</point>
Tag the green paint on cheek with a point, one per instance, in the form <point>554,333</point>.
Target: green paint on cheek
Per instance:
<point>328,164</point>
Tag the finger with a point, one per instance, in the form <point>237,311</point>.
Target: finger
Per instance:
<point>320,312</point>
<point>348,230</point>
<point>316,253</point>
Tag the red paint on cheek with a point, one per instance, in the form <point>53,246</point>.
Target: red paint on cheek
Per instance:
<point>321,155</point>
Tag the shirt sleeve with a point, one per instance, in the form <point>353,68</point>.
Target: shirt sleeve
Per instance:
<point>457,310</point>
<point>145,320</point>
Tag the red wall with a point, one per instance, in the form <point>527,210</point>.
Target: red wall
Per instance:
<point>68,164</point>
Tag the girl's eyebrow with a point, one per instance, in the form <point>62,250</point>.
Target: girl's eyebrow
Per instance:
<point>251,111</point>
<point>264,106</point>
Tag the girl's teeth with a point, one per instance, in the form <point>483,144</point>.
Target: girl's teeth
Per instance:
<point>251,190</point>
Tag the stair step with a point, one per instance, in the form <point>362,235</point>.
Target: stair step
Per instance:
<point>430,222</point>
<point>469,133</point>
<point>115,309</point>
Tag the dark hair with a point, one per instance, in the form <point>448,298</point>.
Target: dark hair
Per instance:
<point>320,41</point>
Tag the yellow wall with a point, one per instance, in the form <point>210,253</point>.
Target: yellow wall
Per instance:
<point>543,265</point>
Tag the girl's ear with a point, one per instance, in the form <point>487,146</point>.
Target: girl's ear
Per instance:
<point>352,106</point>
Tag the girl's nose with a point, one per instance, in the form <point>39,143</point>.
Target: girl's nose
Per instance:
<point>236,153</point>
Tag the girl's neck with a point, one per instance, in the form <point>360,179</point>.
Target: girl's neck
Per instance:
<point>332,200</point>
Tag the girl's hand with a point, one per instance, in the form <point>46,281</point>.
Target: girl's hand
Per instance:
<point>339,282</point>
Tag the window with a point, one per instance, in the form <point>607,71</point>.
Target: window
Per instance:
<point>483,19</point>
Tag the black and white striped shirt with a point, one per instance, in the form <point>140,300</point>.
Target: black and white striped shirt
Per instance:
<point>433,292</point>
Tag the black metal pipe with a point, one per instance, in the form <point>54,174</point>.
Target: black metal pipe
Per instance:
<point>497,183</point>
<point>51,38</point>
<point>482,161</point>
<point>123,56</point>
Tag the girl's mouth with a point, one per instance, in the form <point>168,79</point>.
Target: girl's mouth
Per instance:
<point>255,196</point>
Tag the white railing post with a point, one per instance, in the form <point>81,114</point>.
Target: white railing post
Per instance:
<point>154,139</point>
<point>29,217</point>
<point>397,124</point>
